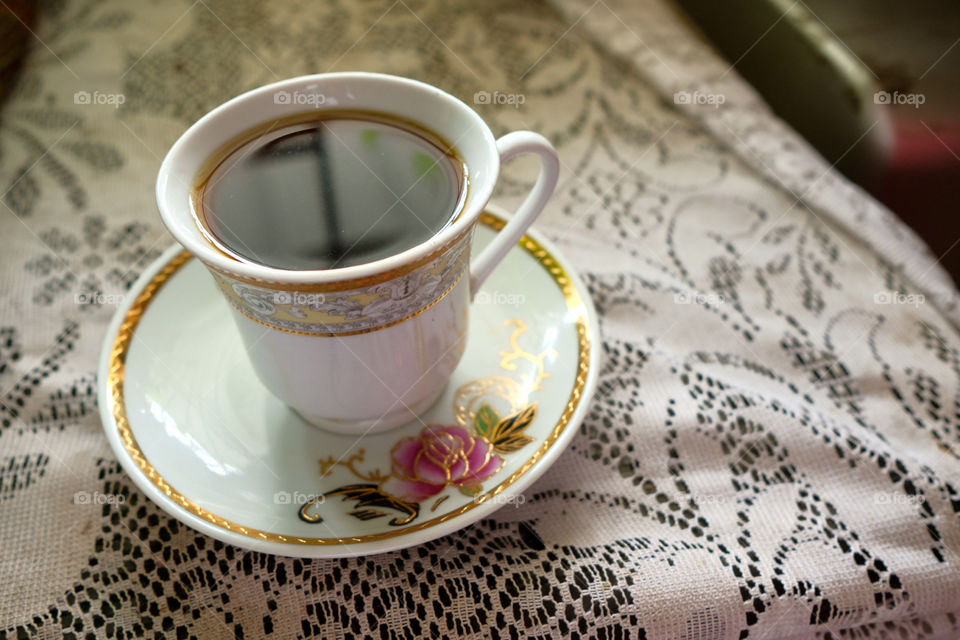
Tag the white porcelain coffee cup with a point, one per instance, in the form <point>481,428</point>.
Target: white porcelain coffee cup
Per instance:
<point>369,347</point>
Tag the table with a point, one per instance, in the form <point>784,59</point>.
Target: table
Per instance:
<point>773,448</point>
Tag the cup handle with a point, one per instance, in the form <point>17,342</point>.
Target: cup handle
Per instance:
<point>509,146</point>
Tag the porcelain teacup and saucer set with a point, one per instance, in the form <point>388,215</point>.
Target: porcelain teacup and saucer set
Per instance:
<point>344,382</point>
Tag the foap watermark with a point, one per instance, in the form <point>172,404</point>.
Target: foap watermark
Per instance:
<point>500,297</point>
<point>897,97</point>
<point>298,298</point>
<point>298,497</point>
<point>303,98</point>
<point>498,97</point>
<point>898,498</point>
<point>97,498</point>
<point>97,299</point>
<point>699,97</point>
<point>501,500</point>
<point>98,98</point>
<point>895,297</point>
<point>695,297</point>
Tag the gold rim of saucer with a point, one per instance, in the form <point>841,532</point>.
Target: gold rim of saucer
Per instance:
<point>115,380</point>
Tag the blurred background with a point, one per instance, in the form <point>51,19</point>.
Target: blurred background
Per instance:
<point>874,85</point>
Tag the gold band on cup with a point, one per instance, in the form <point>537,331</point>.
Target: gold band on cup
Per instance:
<point>382,301</point>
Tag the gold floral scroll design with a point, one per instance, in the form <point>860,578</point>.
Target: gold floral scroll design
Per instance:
<point>462,456</point>
<point>514,393</point>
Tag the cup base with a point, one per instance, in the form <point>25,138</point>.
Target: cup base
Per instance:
<point>404,414</point>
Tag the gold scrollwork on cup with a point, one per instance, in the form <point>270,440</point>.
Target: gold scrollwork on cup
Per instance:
<point>361,310</point>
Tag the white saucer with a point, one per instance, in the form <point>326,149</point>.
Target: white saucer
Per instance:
<point>198,433</point>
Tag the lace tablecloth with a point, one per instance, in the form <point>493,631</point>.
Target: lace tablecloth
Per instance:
<point>773,449</point>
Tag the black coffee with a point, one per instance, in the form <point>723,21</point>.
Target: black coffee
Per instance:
<point>333,191</point>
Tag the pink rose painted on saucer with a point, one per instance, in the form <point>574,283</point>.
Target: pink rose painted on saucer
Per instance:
<point>422,467</point>
<point>439,457</point>
<point>460,456</point>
